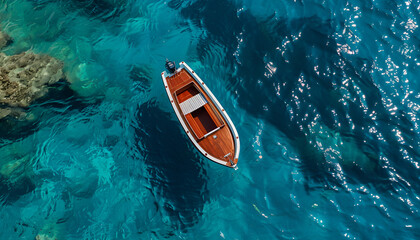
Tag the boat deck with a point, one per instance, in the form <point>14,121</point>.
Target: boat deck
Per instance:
<point>209,127</point>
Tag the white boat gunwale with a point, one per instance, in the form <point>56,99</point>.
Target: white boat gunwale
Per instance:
<point>221,111</point>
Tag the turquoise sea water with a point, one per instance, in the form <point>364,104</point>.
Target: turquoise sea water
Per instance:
<point>324,95</point>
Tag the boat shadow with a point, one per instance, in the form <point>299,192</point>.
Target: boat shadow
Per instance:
<point>175,169</point>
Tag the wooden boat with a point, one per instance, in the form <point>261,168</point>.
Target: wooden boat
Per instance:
<point>204,120</point>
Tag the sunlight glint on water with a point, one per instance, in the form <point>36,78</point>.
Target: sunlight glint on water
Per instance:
<point>324,96</point>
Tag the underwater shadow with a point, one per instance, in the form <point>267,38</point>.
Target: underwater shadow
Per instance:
<point>140,75</point>
<point>103,10</point>
<point>175,170</point>
<point>11,192</point>
<point>60,98</point>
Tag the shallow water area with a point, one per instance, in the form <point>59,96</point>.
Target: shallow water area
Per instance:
<point>324,96</point>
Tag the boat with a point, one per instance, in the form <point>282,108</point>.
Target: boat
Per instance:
<point>203,119</point>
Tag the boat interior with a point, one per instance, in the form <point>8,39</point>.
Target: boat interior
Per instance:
<point>199,114</point>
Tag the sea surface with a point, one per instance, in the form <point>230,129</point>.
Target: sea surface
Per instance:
<point>325,96</point>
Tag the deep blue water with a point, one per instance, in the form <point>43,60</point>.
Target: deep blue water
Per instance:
<point>324,95</point>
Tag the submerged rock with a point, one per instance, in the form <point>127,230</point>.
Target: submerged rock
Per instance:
<point>16,113</point>
<point>4,40</point>
<point>24,78</point>
<point>4,112</point>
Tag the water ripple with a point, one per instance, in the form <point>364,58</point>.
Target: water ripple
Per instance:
<point>323,93</point>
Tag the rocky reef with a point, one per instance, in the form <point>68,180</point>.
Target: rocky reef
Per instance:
<point>24,78</point>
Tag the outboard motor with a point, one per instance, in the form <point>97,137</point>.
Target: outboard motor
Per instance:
<point>170,66</point>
